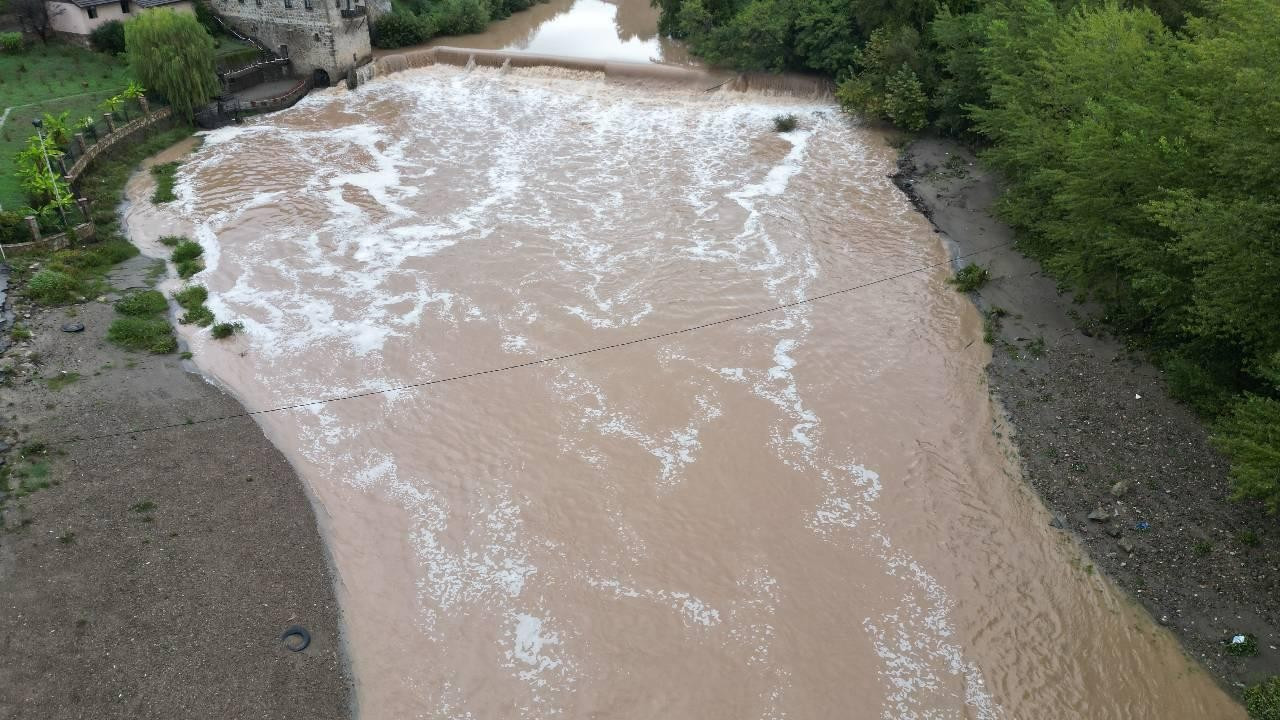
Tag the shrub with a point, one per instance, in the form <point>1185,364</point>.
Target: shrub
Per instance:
<point>1250,437</point>
<point>13,228</point>
<point>1263,700</point>
<point>970,278</point>
<point>785,123</point>
<point>460,17</point>
<point>187,250</point>
<point>171,240</point>
<point>11,42</point>
<point>226,329</point>
<point>51,286</point>
<point>164,175</point>
<point>1192,384</point>
<point>191,296</point>
<point>108,38</point>
<point>142,304</point>
<point>200,316</point>
<point>402,28</point>
<point>139,333</point>
<point>187,268</point>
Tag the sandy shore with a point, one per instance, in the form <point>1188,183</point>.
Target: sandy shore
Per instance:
<point>1098,433</point>
<point>155,575</point>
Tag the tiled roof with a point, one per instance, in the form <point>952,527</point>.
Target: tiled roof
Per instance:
<point>139,3</point>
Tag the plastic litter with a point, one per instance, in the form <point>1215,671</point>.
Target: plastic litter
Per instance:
<point>1143,525</point>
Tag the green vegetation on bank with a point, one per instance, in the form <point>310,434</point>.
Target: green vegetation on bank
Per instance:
<point>1263,700</point>
<point>173,53</point>
<point>1137,143</point>
<point>55,79</point>
<point>164,174</point>
<point>416,21</point>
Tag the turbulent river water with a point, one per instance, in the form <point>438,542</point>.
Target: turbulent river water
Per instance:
<point>805,513</point>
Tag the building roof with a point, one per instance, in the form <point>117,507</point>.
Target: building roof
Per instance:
<point>140,3</point>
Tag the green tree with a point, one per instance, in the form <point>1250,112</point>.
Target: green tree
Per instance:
<point>172,53</point>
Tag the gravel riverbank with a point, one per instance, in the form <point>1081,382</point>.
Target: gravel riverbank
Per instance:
<point>1127,471</point>
<point>150,574</point>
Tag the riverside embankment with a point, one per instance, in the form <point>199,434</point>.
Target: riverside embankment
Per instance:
<point>150,573</point>
<point>801,509</point>
<point>1098,433</point>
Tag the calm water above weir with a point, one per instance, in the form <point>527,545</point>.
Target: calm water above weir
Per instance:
<point>805,513</point>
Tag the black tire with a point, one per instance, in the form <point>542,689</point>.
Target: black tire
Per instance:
<point>299,632</point>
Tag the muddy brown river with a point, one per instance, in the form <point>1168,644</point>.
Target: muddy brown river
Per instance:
<point>807,513</point>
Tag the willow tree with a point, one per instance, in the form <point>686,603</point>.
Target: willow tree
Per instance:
<point>172,53</point>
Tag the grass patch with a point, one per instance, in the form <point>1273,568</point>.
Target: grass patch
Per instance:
<point>164,175</point>
<point>185,355</point>
<point>192,298</point>
<point>188,268</point>
<point>143,506</point>
<point>226,329</point>
<point>1036,348</point>
<point>970,278</point>
<point>171,240</point>
<point>1263,700</point>
<point>19,333</point>
<point>785,123</point>
<point>53,78</point>
<point>140,333</point>
<point>52,286</point>
<point>61,380</point>
<point>186,250</point>
<point>991,323</point>
<point>1248,538</point>
<point>1245,645</point>
<point>142,304</point>
<point>67,538</point>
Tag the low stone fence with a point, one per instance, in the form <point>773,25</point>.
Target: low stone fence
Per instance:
<point>84,232</point>
<point>288,98</point>
<point>89,153</point>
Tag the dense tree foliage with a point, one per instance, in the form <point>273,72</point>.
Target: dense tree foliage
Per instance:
<point>172,53</point>
<point>415,21</point>
<point>1138,143</point>
<point>108,37</point>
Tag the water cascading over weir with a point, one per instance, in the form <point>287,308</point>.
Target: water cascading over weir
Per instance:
<point>792,85</point>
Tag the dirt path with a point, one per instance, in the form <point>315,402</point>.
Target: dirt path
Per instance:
<point>154,575</point>
<point>1098,433</point>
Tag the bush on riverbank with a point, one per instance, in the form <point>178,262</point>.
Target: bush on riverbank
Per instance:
<point>970,278</point>
<point>164,174</point>
<point>1263,700</point>
<point>153,334</point>
<point>141,304</point>
<point>192,298</point>
<point>413,22</point>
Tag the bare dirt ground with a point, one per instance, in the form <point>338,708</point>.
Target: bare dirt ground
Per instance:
<point>154,574</point>
<point>1098,433</point>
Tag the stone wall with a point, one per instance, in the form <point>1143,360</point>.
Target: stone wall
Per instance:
<point>314,34</point>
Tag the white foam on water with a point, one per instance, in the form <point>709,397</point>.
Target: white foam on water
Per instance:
<point>564,169</point>
<point>693,610</point>
<point>674,448</point>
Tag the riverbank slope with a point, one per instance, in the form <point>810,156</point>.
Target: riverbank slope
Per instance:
<point>151,574</point>
<point>1127,471</point>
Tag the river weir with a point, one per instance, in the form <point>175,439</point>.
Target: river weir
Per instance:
<point>811,512</point>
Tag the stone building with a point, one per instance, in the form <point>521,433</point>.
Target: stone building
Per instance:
<point>322,38</point>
